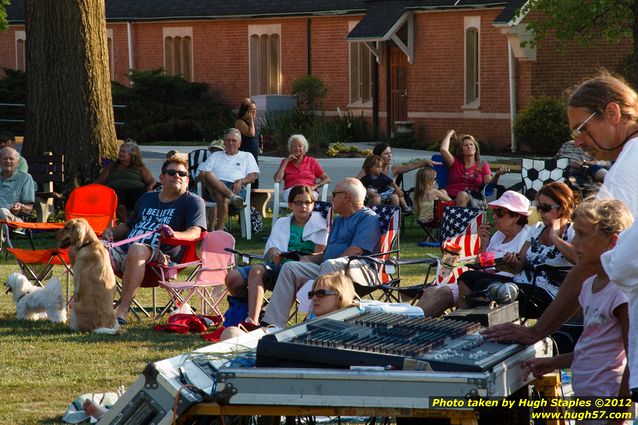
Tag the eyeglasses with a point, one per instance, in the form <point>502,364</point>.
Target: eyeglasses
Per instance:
<point>335,193</point>
<point>578,131</point>
<point>179,172</point>
<point>547,207</point>
<point>320,293</point>
<point>302,203</point>
<point>501,212</point>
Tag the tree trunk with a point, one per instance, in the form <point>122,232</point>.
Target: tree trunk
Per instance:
<point>69,108</point>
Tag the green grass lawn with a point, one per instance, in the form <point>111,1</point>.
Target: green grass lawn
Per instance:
<point>45,366</point>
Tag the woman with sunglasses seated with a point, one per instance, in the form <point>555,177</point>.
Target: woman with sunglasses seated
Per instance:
<point>510,220</point>
<point>543,260</point>
<point>303,230</point>
<point>330,292</point>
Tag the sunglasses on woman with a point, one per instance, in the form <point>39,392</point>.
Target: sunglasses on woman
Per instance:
<point>547,207</point>
<point>320,293</point>
<point>172,173</point>
<point>501,212</point>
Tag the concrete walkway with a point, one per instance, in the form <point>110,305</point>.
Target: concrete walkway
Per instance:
<point>336,168</point>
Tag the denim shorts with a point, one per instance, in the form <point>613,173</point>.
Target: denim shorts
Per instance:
<point>270,278</point>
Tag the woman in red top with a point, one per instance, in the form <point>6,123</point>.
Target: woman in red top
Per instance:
<point>466,172</point>
<point>300,169</point>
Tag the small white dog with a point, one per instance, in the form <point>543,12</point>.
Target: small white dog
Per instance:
<point>34,302</point>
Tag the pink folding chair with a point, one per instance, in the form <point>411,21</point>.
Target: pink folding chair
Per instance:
<point>208,279</point>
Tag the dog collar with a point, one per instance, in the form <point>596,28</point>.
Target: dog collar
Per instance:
<point>22,296</point>
<point>85,245</point>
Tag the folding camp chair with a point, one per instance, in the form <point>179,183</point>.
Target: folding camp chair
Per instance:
<point>195,158</point>
<point>379,271</point>
<point>156,272</point>
<point>459,227</point>
<point>432,228</point>
<point>535,173</point>
<point>208,279</point>
<point>96,203</point>
<point>278,203</point>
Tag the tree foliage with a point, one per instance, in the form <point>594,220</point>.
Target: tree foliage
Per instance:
<point>161,107</point>
<point>542,125</point>
<point>3,14</point>
<point>586,21</point>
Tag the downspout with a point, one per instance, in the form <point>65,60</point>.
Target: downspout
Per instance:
<point>375,97</point>
<point>512,78</point>
<point>129,35</point>
<point>309,45</point>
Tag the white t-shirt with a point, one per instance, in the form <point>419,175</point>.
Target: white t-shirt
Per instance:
<point>499,248</point>
<point>599,355</point>
<point>620,181</point>
<point>621,262</point>
<point>230,167</point>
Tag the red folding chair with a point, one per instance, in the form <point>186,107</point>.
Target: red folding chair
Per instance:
<point>94,202</point>
<point>156,272</point>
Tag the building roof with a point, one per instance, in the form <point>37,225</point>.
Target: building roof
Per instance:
<point>154,10</point>
<point>509,12</point>
<point>381,15</point>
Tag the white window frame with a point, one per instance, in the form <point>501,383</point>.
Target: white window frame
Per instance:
<point>472,23</point>
<point>181,32</point>
<point>254,80</point>
<point>358,102</point>
<point>109,36</point>
<point>21,36</point>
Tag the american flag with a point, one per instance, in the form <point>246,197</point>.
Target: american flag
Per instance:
<point>459,226</point>
<point>389,223</point>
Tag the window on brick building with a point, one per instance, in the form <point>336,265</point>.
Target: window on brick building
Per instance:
<point>21,59</point>
<point>360,81</point>
<point>265,59</point>
<point>472,63</point>
<point>109,46</point>
<point>178,52</point>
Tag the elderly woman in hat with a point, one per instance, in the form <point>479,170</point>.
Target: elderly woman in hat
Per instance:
<point>510,213</point>
<point>298,168</point>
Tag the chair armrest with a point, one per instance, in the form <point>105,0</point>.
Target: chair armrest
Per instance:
<point>182,242</point>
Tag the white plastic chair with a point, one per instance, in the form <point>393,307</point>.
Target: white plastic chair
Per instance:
<point>278,203</point>
<point>195,158</point>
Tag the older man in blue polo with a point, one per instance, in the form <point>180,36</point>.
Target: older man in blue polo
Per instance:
<point>17,189</point>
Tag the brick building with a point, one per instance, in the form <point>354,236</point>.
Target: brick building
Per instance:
<point>438,64</point>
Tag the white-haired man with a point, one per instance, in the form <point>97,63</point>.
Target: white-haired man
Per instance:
<point>356,231</point>
<point>227,173</point>
<point>17,189</point>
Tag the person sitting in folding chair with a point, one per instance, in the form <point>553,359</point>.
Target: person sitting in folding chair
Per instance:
<point>227,173</point>
<point>179,213</point>
<point>355,232</point>
<point>304,230</point>
<point>17,189</point>
<point>510,220</point>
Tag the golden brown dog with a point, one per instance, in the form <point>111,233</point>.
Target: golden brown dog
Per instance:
<point>93,279</point>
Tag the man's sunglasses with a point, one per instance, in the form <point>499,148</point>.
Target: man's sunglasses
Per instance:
<point>179,172</point>
<point>320,293</point>
<point>547,207</point>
